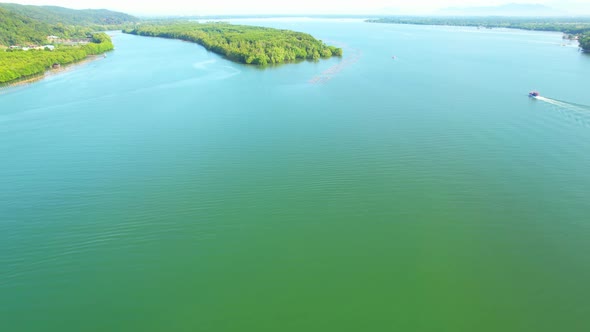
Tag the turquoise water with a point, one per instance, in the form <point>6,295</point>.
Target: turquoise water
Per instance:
<point>164,188</point>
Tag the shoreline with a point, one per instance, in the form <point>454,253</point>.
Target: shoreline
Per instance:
<point>48,73</point>
<point>472,25</point>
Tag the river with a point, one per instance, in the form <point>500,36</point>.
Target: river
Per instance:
<point>164,188</point>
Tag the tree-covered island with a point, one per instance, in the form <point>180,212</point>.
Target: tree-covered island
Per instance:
<point>244,44</point>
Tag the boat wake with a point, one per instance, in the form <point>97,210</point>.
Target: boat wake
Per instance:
<point>564,104</point>
<point>352,57</point>
<point>203,65</point>
<point>576,112</point>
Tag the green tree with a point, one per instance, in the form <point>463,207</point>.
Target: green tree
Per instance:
<point>585,42</point>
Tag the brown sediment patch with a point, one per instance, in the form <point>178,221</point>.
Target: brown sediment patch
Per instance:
<point>24,81</point>
<point>352,56</point>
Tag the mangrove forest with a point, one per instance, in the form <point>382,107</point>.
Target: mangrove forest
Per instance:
<point>244,44</point>
<point>16,64</point>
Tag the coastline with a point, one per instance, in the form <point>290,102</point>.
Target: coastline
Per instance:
<point>482,23</point>
<point>49,72</point>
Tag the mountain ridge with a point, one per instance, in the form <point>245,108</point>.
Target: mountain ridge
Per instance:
<point>67,16</point>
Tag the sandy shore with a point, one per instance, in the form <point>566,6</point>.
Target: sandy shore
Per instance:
<point>51,72</point>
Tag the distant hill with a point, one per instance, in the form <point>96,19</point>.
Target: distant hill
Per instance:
<point>512,9</point>
<point>66,16</point>
<point>21,24</point>
<point>17,29</point>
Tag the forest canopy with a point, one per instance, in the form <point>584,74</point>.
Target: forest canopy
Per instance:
<point>245,44</point>
<point>16,29</point>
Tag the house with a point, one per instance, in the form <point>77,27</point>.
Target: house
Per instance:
<point>75,41</point>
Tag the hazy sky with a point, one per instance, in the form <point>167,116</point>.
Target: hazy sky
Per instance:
<point>207,7</point>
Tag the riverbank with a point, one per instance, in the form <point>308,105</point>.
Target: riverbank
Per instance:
<point>15,65</point>
<point>23,81</point>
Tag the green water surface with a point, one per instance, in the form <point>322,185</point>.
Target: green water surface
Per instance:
<point>164,188</point>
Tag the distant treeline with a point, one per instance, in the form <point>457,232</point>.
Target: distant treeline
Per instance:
<point>573,26</point>
<point>245,44</point>
<point>18,64</point>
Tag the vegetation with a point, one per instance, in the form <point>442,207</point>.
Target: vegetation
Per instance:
<point>31,25</point>
<point>16,29</point>
<point>19,64</point>
<point>575,26</point>
<point>245,44</point>
<point>66,16</point>
<point>24,25</point>
<point>585,42</point>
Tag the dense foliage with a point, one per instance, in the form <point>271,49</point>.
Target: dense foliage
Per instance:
<point>24,25</point>
<point>18,64</point>
<point>585,42</point>
<point>66,16</point>
<point>567,25</point>
<point>16,29</point>
<point>245,44</point>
